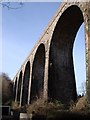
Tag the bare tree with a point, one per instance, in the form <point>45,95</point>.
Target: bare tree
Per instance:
<point>83,88</point>
<point>9,5</point>
<point>7,88</point>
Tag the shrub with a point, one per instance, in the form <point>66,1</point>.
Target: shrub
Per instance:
<point>43,108</point>
<point>15,105</point>
<point>81,105</point>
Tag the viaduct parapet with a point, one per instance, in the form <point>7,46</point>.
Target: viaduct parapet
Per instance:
<point>48,71</point>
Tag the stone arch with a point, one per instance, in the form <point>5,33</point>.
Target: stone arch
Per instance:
<point>37,82</point>
<point>19,86</point>
<point>15,87</point>
<point>26,84</point>
<point>61,78</point>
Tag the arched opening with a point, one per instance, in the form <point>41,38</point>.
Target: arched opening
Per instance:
<point>37,83</point>
<point>80,61</point>
<point>61,78</point>
<point>19,86</point>
<point>15,87</point>
<point>26,84</point>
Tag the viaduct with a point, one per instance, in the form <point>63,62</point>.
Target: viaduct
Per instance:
<point>48,72</point>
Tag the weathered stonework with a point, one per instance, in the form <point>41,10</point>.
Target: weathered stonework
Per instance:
<point>51,73</point>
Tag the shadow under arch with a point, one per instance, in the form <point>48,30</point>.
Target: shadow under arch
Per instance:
<point>61,77</point>
<point>37,83</point>
<point>19,86</point>
<point>14,89</point>
<point>26,84</point>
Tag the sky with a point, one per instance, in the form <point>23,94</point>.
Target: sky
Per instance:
<point>21,28</point>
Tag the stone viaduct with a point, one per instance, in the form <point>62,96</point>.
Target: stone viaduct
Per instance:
<point>48,72</point>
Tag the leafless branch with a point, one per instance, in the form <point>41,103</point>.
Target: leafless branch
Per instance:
<point>8,5</point>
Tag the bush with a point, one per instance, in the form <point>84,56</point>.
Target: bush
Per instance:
<point>81,105</point>
<point>15,105</point>
<point>43,108</point>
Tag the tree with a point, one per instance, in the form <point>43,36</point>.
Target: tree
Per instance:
<point>10,6</point>
<point>7,88</point>
<point>83,88</point>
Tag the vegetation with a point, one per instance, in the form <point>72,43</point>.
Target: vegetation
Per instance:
<point>51,110</point>
<point>15,105</point>
<point>56,109</point>
<point>10,5</point>
<point>43,108</point>
<point>7,89</point>
<point>80,106</point>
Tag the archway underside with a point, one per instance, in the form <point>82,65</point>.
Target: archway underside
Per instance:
<point>61,78</point>
<point>26,84</point>
<point>15,87</point>
<point>37,83</point>
<point>19,87</point>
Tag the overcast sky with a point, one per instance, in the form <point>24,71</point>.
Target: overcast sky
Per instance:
<point>21,29</point>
